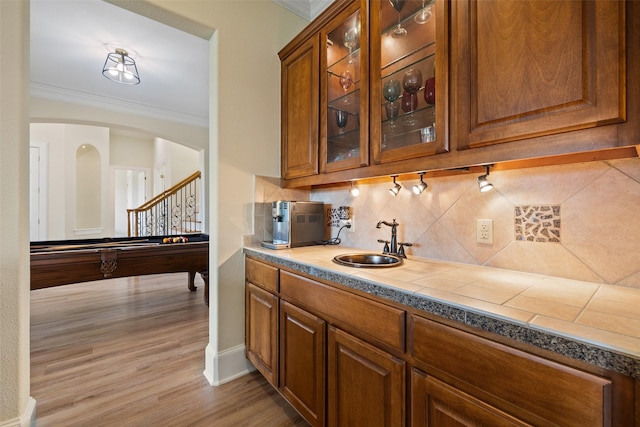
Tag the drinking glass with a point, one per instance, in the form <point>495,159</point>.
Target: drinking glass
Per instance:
<point>411,83</point>
<point>424,15</point>
<point>346,79</point>
<point>342,117</point>
<point>399,31</point>
<point>391,90</point>
<point>392,108</point>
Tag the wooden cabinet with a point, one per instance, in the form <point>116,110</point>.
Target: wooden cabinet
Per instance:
<point>366,386</point>
<point>300,97</point>
<point>261,318</point>
<point>302,361</point>
<point>473,376</point>
<point>343,359</point>
<point>528,69</point>
<point>513,81</point>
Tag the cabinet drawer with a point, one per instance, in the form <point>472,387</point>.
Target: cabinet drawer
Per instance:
<point>534,389</point>
<point>381,322</point>
<point>262,275</point>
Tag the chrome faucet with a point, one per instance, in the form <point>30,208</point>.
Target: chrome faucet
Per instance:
<point>393,249</point>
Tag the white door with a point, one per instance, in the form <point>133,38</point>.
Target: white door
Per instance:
<point>38,191</point>
<point>130,187</point>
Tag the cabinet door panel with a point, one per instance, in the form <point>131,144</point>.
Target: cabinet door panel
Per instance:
<point>545,392</point>
<point>344,136</point>
<point>261,336</point>
<point>366,385</point>
<point>530,68</point>
<point>300,99</point>
<point>437,404</point>
<point>302,361</point>
<point>409,101</point>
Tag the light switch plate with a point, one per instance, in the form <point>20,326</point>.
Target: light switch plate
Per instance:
<point>484,231</point>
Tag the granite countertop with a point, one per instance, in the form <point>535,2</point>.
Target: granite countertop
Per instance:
<point>591,322</point>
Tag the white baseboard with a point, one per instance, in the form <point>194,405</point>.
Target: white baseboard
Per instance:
<point>27,419</point>
<point>226,365</point>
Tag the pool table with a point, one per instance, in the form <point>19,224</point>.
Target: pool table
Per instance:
<point>62,262</point>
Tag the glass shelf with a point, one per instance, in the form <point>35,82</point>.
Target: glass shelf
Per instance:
<point>407,19</point>
<point>349,102</point>
<point>346,67</point>
<point>354,56</point>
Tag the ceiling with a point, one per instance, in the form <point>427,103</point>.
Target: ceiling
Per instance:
<point>70,41</point>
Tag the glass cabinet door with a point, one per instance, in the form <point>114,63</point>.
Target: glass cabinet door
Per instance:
<point>344,120</point>
<point>408,85</point>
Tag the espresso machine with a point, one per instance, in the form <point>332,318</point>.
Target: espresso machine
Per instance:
<point>296,224</point>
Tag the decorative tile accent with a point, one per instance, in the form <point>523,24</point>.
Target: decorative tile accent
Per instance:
<point>334,215</point>
<point>537,223</point>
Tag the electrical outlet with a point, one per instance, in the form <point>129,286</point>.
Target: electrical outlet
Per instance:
<point>344,222</point>
<point>484,231</point>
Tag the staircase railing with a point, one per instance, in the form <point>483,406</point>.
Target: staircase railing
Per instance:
<point>174,211</point>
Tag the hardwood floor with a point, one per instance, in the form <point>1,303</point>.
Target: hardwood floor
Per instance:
<point>130,352</point>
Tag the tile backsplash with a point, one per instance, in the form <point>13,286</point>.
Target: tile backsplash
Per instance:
<point>575,221</point>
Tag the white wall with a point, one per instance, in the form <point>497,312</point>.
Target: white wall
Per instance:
<point>63,141</point>
<point>116,149</point>
<point>245,140</point>
<point>16,407</point>
<point>131,150</point>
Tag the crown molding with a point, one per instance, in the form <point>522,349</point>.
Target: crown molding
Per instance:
<point>54,93</point>
<point>307,9</point>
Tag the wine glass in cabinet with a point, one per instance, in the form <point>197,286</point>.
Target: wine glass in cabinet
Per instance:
<point>419,61</point>
<point>344,125</point>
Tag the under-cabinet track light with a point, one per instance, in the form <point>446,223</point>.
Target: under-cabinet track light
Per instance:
<point>354,191</point>
<point>483,184</point>
<point>396,187</point>
<point>421,186</point>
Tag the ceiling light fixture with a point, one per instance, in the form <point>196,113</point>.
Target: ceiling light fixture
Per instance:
<point>483,184</point>
<point>354,191</point>
<point>121,68</point>
<point>421,186</point>
<point>396,187</point>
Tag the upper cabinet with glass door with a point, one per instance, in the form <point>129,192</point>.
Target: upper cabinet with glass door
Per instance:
<point>409,64</point>
<point>343,91</point>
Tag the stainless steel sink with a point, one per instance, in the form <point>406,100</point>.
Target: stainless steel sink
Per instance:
<point>368,260</point>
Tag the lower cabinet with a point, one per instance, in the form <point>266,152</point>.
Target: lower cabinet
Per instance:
<point>366,384</point>
<point>261,326</point>
<point>468,377</point>
<point>302,361</point>
<point>344,360</point>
